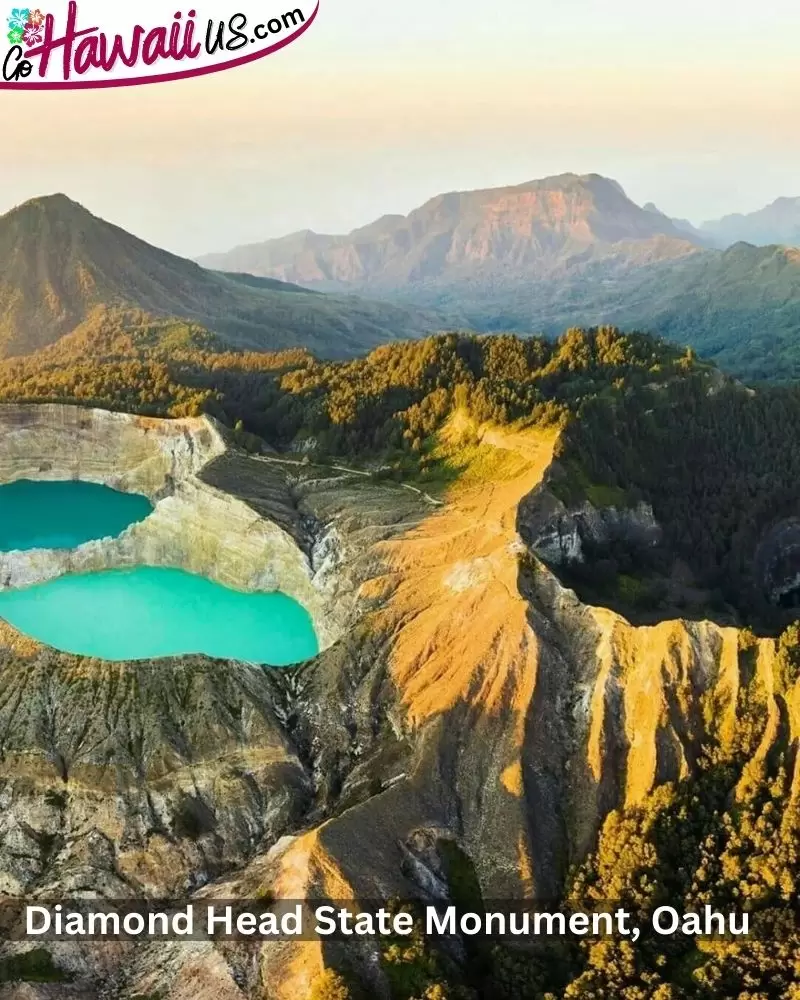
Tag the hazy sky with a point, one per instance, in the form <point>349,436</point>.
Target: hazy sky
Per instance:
<point>693,105</point>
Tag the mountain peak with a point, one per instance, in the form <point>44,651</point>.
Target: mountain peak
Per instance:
<point>57,202</point>
<point>778,222</point>
<point>524,232</point>
<point>570,181</point>
<point>57,198</point>
<point>61,267</point>
<point>38,217</point>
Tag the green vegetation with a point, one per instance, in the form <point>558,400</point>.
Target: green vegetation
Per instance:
<point>61,263</point>
<point>719,468</point>
<point>562,251</point>
<point>739,308</point>
<point>641,422</point>
<point>35,966</point>
<point>418,970</point>
<point>329,985</point>
<point>728,837</point>
<point>385,408</point>
<point>126,359</point>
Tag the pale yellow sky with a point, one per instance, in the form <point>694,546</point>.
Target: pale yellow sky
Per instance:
<point>380,106</point>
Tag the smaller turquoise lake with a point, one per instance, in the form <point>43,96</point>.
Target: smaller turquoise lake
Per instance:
<point>146,613</point>
<point>64,515</point>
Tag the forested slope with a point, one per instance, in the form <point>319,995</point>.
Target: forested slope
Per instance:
<point>59,264</point>
<point>684,732</point>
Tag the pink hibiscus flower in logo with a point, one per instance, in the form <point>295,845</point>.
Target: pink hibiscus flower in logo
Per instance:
<point>33,34</point>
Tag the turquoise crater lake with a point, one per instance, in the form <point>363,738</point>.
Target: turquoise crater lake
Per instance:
<point>146,613</point>
<point>64,515</point>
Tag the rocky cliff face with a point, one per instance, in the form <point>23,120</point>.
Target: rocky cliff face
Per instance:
<point>128,453</point>
<point>471,697</point>
<point>195,525</point>
<point>526,231</point>
<point>559,535</point>
<point>777,562</point>
<point>482,702</point>
<point>152,778</point>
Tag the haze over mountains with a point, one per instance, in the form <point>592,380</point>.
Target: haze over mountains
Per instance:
<point>59,263</point>
<point>544,225</point>
<point>541,257</point>
<point>538,229</point>
<point>568,250</point>
<point>778,222</point>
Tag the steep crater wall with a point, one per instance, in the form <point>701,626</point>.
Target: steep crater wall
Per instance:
<point>617,554</point>
<point>561,535</point>
<point>195,526</point>
<point>151,779</point>
<point>480,701</point>
<point>777,563</point>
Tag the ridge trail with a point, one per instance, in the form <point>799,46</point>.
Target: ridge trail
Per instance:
<point>353,472</point>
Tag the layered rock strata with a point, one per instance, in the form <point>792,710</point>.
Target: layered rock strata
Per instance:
<point>195,526</point>
<point>470,697</point>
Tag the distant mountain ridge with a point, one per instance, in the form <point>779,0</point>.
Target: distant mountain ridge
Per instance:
<point>58,263</point>
<point>536,229</point>
<point>569,250</point>
<point>738,307</point>
<point>539,257</point>
<point>684,226</point>
<point>778,222</point>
